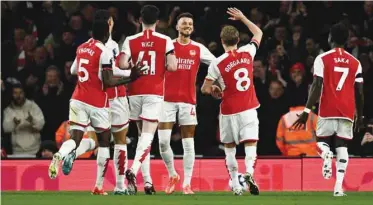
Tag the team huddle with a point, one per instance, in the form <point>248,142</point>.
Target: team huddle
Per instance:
<point>161,75</point>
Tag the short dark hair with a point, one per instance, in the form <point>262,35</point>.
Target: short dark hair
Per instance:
<point>100,30</point>
<point>149,14</point>
<point>102,14</point>
<point>17,85</point>
<point>229,35</point>
<point>184,15</point>
<point>339,33</point>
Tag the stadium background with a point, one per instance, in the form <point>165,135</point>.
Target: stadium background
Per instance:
<point>41,36</point>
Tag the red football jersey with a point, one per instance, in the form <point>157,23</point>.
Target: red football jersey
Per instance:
<point>92,57</point>
<point>234,72</point>
<point>118,91</point>
<point>150,48</point>
<point>180,85</point>
<point>339,70</point>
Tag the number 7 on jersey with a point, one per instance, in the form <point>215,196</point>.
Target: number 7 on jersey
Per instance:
<point>342,80</point>
<point>145,63</point>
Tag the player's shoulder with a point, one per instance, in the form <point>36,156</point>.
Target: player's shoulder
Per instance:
<point>162,36</point>
<point>325,54</point>
<point>131,37</point>
<point>111,43</point>
<point>351,56</point>
<point>221,58</point>
<point>197,44</point>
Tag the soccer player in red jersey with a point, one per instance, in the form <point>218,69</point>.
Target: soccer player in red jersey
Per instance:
<point>337,78</point>
<point>95,74</point>
<point>238,121</point>
<point>119,111</point>
<point>155,50</point>
<point>180,98</point>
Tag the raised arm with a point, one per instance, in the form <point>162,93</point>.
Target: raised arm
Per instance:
<point>236,14</point>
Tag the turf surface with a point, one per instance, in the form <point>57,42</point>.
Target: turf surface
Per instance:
<point>204,198</point>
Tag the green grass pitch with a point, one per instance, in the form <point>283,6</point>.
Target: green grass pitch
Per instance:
<point>201,198</point>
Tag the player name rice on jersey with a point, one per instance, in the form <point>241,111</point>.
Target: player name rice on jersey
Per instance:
<point>150,48</point>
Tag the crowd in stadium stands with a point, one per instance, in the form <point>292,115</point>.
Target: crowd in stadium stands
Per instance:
<point>39,40</point>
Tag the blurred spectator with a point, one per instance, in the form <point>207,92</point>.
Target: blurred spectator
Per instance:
<point>261,80</point>
<point>164,28</point>
<point>367,141</point>
<point>52,93</point>
<point>67,48</point>
<point>300,142</point>
<point>270,113</point>
<point>69,79</point>
<point>47,149</point>
<point>62,134</point>
<point>76,23</point>
<point>297,86</point>
<point>24,120</point>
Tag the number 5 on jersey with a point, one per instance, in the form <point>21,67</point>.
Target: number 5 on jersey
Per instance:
<point>145,63</point>
<point>243,80</point>
<point>85,76</point>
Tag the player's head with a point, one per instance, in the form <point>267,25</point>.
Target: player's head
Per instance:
<point>185,24</point>
<point>100,30</point>
<point>229,36</point>
<point>104,15</point>
<point>339,34</point>
<point>149,15</point>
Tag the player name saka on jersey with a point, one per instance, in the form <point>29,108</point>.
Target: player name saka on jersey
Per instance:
<point>236,62</point>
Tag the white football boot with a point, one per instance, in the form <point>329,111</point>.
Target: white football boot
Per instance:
<point>54,166</point>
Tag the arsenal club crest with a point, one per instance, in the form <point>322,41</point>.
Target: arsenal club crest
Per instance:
<point>192,52</point>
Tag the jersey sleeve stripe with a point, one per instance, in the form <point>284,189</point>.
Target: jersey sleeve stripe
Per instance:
<point>170,52</point>
<point>359,75</point>
<point>255,42</point>
<point>107,67</point>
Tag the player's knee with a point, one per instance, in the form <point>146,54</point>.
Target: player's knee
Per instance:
<point>164,144</point>
<point>187,131</point>
<point>104,138</point>
<point>339,142</point>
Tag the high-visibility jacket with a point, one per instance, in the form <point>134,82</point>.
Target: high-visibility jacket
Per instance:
<point>296,142</point>
<point>62,134</point>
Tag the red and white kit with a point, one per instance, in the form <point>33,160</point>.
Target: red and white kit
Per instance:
<point>146,93</point>
<point>92,57</point>
<point>117,96</point>
<point>233,70</point>
<point>339,70</point>
<point>180,89</point>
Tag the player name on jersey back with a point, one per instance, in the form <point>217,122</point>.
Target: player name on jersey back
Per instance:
<point>149,48</point>
<point>91,58</point>
<point>339,70</point>
<point>234,72</point>
<point>180,85</point>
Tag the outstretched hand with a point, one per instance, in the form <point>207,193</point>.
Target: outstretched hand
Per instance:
<point>138,70</point>
<point>301,121</point>
<point>236,14</point>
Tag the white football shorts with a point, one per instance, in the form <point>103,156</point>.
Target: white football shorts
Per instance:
<point>240,127</point>
<point>186,113</point>
<point>343,128</point>
<point>146,107</point>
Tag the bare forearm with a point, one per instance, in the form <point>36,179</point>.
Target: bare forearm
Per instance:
<point>359,99</point>
<point>254,29</point>
<point>315,92</point>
